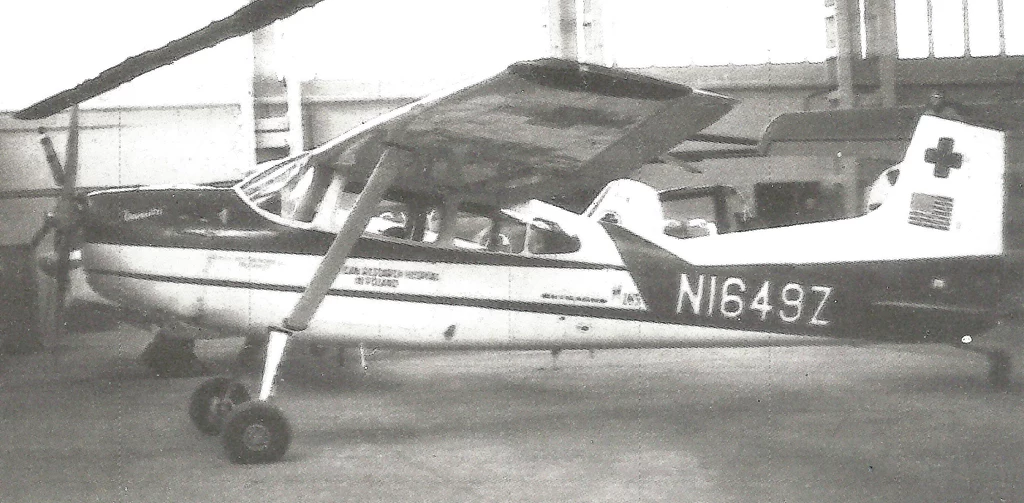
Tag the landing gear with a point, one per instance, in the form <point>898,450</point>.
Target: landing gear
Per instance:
<point>170,356</point>
<point>213,401</point>
<point>1000,366</point>
<point>252,431</point>
<point>256,432</point>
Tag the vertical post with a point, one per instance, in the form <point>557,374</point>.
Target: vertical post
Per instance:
<point>931,28</point>
<point>885,48</point>
<point>847,48</point>
<point>593,33</point>
<point>1002,27</point>
<point>247,111</point>
<point>967,28</point>
<point>296,131</point>
<point>562,26</point>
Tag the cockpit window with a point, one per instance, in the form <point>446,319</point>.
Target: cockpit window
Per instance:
<point>545,237</point>
<point>298,191</point>
<point>505,235</point>
<point>265,187</point>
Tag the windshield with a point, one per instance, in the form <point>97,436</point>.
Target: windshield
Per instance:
<point>264,189</point>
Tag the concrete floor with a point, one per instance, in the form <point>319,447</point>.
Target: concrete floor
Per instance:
<point>881,423</point>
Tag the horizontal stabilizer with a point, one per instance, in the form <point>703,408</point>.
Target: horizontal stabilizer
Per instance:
<point>881,133</point>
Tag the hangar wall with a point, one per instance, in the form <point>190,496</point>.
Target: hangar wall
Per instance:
<point>117,147</point>
<point>205,143</point>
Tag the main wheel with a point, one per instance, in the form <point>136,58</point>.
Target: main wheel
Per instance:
<point>170,356</point>
<point>213,401</point>
<point>256,432</point>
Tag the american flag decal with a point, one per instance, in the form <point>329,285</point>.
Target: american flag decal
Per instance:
<point>934,212</point>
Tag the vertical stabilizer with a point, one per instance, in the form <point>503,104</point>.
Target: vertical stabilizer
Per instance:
<point>945,199</point>
<point>630,204</point>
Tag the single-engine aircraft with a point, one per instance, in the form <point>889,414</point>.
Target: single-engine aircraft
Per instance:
<point>280,253</point>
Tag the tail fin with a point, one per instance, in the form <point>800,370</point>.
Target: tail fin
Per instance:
<point>945,199</point>
<point>630,204</point>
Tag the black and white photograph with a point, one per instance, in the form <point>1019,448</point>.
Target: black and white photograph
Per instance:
<point>513,250</point>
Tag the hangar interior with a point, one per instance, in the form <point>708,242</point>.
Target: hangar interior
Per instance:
<point>872,53</point>
<point>267,101</point>
<point>856,54</point>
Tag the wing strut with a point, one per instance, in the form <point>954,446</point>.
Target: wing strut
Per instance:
<point>388,167</point>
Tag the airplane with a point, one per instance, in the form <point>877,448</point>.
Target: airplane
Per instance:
<point>270,257</point>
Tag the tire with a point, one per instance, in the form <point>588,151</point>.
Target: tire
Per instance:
<point>172,357</point>
<point>213,401</point>
<point>256,432</point>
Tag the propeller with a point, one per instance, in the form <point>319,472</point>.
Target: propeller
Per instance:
<point>63,221</point>
<point>255,15</point>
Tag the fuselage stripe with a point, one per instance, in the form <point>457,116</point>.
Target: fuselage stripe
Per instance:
<point>602,311</point>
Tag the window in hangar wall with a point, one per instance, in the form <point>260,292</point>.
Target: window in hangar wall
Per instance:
<point>643,33</point>
<point>945,29</point>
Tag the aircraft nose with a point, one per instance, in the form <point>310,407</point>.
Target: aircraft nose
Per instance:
<point>146,215</point>
<point>110,215</point>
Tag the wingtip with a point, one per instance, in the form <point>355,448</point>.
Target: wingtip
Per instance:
<point>41,110</point>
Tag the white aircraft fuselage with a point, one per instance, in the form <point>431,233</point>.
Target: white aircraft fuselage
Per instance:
<point>918,269</point>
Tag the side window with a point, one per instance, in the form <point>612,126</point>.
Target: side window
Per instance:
<point>690,217</point>
<point>545,237</point>
<point>508,237</point>
<point>390,220</point>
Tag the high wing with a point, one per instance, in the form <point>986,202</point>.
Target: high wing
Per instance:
<point>538,129</point>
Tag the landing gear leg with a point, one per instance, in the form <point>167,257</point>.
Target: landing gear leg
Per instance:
<point>257,431</point>
<point>1000,366</point>
<point>170,356</point>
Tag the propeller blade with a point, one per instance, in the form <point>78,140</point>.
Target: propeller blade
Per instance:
<point>65,222</point>
<point>255,15</point>
<point>56,170</point>
<point>71,155</point>
<point>42,232</point>
<point>62,246</point>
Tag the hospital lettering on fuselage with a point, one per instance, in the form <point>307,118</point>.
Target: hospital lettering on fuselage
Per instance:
<point>733,298</point>
<point>388,277</point>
